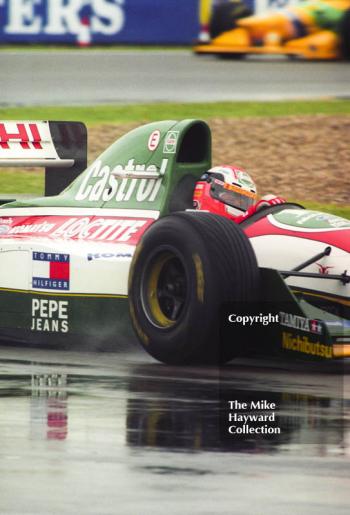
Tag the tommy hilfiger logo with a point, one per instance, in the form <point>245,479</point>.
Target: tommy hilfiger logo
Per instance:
<point>51,271</point>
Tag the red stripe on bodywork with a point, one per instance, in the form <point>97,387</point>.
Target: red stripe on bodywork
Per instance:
<point>107,229</point>
<point>337,238</point>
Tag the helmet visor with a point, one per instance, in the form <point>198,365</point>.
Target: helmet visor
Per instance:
<point>234,196</point>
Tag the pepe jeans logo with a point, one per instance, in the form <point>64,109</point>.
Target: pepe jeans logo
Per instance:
<point>50,315</point>
<point>108,187</point>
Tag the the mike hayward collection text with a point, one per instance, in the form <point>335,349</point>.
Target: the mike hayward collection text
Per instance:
<point>253,417</point>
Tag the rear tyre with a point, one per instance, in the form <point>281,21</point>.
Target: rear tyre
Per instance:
<point>345,35</point>
<point>224,17</point>
<point>186,265</point>
<point>231,56</point>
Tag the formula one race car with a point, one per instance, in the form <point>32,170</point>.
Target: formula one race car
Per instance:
<point>121,244</point>
<point>316,29</point>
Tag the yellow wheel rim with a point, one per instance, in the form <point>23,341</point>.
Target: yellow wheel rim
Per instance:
<point>165,289</point>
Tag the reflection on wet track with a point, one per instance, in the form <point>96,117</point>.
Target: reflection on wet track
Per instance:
<point>119,433</point>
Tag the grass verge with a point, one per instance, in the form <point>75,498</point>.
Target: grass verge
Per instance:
<point>116,113</point>
<point>16,182</point>
<point>343,211</point>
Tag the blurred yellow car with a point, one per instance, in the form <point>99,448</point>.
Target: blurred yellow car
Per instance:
<point>318,29</point>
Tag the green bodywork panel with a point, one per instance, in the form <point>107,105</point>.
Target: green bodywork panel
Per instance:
<point>99,318</point>
<point>307,219</point>
<point>281,338</point>
<point>176,153</point>
<point>325,16</point>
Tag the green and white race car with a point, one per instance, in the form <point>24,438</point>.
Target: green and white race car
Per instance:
<point>121,247</point>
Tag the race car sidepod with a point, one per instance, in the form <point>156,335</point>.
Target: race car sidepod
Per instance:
<point>64,259</point>
<point>197,294</point>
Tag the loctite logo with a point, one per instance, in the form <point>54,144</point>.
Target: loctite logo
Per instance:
<point>99,229</point>
<point>81,228</point>
<point>121,189</point>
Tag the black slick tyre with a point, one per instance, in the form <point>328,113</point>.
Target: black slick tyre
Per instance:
<point>186,265</point>
<point>345,36</point>
<point>230,56</point>
<point>225,15</point>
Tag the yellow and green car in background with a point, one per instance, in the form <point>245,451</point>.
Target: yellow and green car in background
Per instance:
<point>316,29</point>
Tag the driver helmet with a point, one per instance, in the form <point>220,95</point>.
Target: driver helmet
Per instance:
<point>225,190</point>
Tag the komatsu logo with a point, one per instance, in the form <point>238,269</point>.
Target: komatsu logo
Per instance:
<point>118,184</point>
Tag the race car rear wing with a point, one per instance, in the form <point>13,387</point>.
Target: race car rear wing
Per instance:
<point>59,147</point>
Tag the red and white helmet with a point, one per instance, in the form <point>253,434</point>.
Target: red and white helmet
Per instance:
<point>225,190</point>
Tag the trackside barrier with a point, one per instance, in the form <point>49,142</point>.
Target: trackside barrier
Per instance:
<point>99,21</point>
<point>87,22</point>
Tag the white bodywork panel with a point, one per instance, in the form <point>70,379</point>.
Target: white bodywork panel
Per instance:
<point>89,266</point>
<point>286,252</point>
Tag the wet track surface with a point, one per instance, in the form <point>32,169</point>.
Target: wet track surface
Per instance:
<point>97,76</point>
<point>99,433</point>
<point>118,433</point>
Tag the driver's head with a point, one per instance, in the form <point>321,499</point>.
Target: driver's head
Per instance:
<point>225,190</point>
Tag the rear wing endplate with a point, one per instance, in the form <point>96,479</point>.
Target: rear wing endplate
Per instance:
<point>59,147</point>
